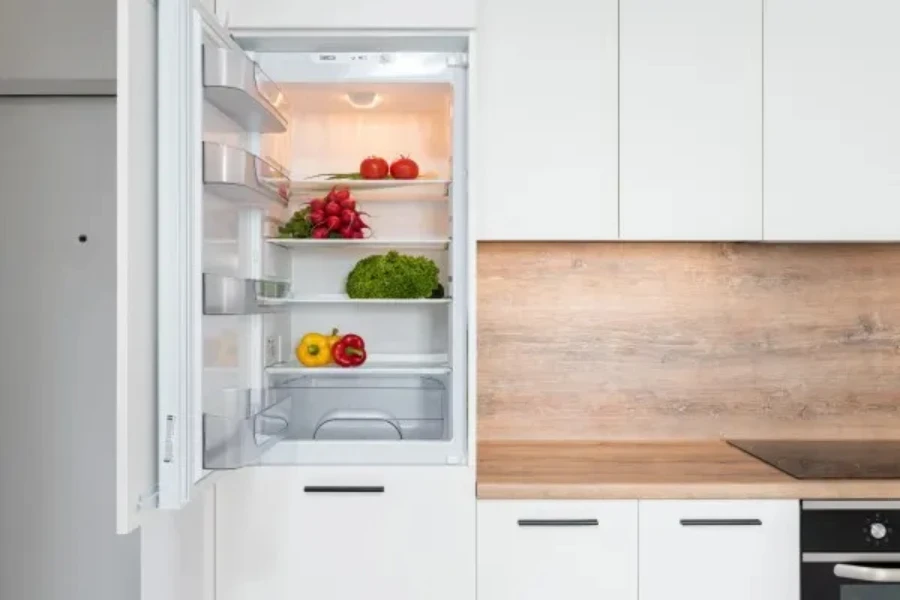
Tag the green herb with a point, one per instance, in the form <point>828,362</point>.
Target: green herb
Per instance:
<point>393,275</point>
<point>298,226</point>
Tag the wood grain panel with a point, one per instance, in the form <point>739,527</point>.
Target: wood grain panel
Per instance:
<point>622,469</point>
<point>688,341</point>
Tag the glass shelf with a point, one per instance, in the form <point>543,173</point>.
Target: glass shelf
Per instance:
<point>226,295</point>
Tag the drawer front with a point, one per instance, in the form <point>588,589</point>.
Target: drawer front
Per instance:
<point>346,532</point>
<point>572,550</point>
<point>709,549</point>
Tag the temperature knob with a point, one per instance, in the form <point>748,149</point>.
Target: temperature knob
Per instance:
<point>877,531</point>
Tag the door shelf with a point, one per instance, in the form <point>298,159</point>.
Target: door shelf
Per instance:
<point>238,176</point>
<point>243,426</point>
<point>344,299</point>
<point>226,295</point>
<point>375,365</point>
<point>305,244</point>
<point>236,85</point>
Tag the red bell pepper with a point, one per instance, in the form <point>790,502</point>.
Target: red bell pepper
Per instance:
<point>349,351</point>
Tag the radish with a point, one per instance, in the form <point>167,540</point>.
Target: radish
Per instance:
<point>358,234</point>
<point>316,216</point>
<point>348,204</point>
<point>316,204</point>
<point>319,233</point>
<point>332,222</point>
<point>332,209</point>
<point>346,233</point>
<point>348,216</point>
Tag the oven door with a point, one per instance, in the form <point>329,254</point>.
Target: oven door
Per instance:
<point>851,577</point>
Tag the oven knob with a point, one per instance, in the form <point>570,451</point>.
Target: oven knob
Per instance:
<point>877,531</point>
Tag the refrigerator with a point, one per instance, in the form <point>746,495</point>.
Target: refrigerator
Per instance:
<point>222,139</point>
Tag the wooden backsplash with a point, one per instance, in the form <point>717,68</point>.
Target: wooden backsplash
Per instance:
<point>644,340</point>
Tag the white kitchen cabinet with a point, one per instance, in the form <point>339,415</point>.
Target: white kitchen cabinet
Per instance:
<point>832,128</point>
<point>691,120</point>
<point>352,14</point>
<point>713,549</point>
<point>546,122</point>
<point>346,533</point>
<point>572,550</point>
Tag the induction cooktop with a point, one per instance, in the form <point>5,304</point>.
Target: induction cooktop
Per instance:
<point>822,459</point>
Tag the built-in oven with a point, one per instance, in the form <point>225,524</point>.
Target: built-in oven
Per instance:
<point>850,550</point>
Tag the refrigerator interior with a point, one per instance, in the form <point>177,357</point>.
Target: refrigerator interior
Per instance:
<point>406,404</point>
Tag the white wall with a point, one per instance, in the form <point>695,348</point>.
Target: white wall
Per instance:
<point>57,46</point>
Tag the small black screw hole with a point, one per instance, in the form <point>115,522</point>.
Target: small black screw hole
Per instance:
<point>82,238</point>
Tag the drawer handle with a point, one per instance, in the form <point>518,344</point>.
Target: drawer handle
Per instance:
<point>720,522</point>
<point>558,523</point>
<point>344,489</point>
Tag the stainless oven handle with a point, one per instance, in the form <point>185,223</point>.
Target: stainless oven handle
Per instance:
<point>874,574</point>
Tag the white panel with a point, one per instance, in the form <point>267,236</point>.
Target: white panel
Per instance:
<point>58,338</point>
<point>691,120</point>
<point>178,552</point>
<point>415,540</point>
<point>136,203</point>
<point>832,128</point>
<point>53,47</point>
<point>740,562</point>
<point>588,562</point>
<point>548,118</point>
<point>352,14</point>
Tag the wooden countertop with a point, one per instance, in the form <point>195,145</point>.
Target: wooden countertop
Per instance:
<point>645,469</point>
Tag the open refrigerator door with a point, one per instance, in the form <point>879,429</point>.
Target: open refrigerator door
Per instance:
<point>250,147</point>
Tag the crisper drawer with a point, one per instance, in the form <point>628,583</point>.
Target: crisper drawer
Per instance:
<point>347,419</point>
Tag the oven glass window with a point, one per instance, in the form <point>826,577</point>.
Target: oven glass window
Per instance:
<point>874,591</point>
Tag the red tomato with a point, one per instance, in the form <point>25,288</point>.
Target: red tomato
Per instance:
<point>404,168</point>
<point>373,167</point>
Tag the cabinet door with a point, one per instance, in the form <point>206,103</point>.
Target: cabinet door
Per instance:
<point>712,549</point>
<point>346,533</point>
<point>352,14</point>
<point>691,120</point>
<point>572,550</point>
<point>546,120</point>
<point>832,125</point>
<point>136,204</point>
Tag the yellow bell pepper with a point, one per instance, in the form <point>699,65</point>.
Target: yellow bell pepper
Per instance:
<point>314,350</point>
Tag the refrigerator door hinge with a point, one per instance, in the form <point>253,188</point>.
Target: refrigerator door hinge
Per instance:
<point>149,499</point>
<point>169,441</point>
<point>460,61</point>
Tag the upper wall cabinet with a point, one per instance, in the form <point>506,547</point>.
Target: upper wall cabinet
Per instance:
<point>832,120</point>
<point>351,14</point>
<point>691,120</point>
<point>546,119</point>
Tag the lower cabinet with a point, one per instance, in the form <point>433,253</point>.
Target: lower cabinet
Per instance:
<point>557,550</point>
<point>346,533</point>
<point>715,549</point>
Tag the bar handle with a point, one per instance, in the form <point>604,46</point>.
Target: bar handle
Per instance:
<point>344,489</point>
<point>558,522</point>
<point>720,522</point>
<point>871,574</point>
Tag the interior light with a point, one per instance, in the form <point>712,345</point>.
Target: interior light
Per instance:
<point>363,100</point>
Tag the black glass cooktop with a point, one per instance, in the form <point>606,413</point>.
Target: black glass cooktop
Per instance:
<point>813,459</point>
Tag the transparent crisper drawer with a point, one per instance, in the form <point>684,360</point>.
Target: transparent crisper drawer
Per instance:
<point>367,408</point>
<point>239,425</point>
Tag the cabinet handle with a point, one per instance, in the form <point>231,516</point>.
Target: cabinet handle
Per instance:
<point>344,489</point>
<point>720,522</point>
<point>558,522</point>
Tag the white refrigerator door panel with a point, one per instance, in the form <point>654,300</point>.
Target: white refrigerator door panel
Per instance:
<point>136,456</point>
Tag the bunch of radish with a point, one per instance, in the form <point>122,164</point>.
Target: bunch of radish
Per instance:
<point>336,216</point>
